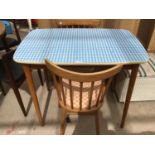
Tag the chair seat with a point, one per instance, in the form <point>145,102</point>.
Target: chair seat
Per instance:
<point>16,70</point>
<point>85,94</point>
<point>10,42</point>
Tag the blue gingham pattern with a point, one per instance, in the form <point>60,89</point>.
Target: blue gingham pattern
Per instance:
<point>81,46</point>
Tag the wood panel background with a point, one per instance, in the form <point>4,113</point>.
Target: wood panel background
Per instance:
<point>151,46</point>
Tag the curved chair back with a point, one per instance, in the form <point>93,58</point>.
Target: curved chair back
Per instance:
<point>81,92</point>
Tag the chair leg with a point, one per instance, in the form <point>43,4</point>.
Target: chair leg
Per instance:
<point>68,120</point>
<point>113,83</point>
<point>40,76</point>
<point>63,122</point>
<point>2,88</point>
<point>47,79</point>
<point>97,122</point>
<point>19,99</point>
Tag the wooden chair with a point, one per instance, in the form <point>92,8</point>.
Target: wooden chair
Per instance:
<point>12,73</point>
<point>7,42</point>
<point>11,41</point>
<point>78,23</point>
<point>81,93</point>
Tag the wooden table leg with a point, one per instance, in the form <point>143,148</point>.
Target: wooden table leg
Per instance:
<point>129,93</point>
<point>28,74</point>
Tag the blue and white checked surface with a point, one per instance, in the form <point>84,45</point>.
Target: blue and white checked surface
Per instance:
<point>80,46</point>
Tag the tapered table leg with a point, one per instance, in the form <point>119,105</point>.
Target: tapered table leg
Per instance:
<point>28,74</point>
<point>129,93</point>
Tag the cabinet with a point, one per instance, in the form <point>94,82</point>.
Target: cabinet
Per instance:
<point>129,24</point>
<point>46,23</point>
<point>151,46</point>
<point>146,33</point>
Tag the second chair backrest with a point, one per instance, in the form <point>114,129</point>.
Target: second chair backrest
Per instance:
<point>78,23</point>
<point>8,41</point>
<point>81,92</point>
<point>16,30</point>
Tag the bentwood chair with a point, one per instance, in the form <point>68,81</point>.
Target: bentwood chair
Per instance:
<point>81,93</point>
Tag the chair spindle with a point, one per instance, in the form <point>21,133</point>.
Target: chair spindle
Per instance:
<point>102,86</point>
<point>90,95</point>
<point>81,87</point>
<point>71,93</point>
<point>62,88</point>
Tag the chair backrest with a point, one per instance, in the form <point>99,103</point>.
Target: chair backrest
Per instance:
<point>81,92</point>
<point>16,30</point>
<point>7,42</point>
<point>76,23</point>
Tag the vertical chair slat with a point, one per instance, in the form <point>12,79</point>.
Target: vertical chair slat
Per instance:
<point>90,95</point>
<point>100,92</point>
<point>81,87</point>
<point>71,93</point>
<point>57,86</point>
<point>62,89</point>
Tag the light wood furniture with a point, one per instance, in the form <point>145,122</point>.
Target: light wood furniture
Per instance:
<point>46,23</point>
<point>77,23</point>
<point>81,93</point>
<point>53,23</point>
<point>67,55</point>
